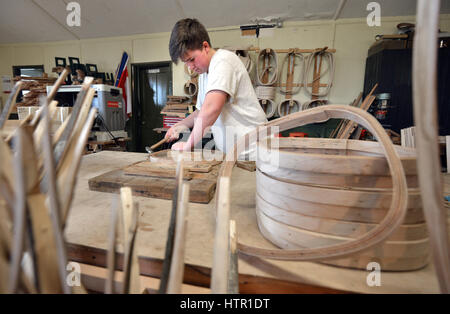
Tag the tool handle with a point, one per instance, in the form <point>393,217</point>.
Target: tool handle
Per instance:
<point>158,144</point>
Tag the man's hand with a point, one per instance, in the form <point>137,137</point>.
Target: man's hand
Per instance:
<point>174,132</point>
<point>181,146</point>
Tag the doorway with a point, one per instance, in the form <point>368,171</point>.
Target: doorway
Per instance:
<point>151,83</point>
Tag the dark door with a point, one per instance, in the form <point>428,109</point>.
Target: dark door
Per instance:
<point>152,83</point>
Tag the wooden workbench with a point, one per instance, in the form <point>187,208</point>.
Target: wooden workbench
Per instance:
<point>88,226</point>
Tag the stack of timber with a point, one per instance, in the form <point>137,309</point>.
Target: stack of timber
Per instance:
<point>347,128</point>
<point>176,109</point>
<point>36,87</point>
<point>327,191</point>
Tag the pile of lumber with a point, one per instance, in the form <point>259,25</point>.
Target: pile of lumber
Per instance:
<point>347,128</point>
<point>176,109</point>
<point>36,87</point>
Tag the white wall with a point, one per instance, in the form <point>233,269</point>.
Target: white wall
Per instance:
<point>350,37</point>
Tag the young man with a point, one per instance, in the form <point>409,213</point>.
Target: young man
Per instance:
<point>226,100</point>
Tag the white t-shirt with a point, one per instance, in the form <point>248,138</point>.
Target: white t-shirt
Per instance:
<point>242,111</point>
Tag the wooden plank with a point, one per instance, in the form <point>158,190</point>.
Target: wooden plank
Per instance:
<point>94,277</point>
<point>219,280</point>
<point>168,253</point>
<point>316,77</point>
<point>112,239</point>
<point>196,275</point>
<point>131,283</point>
<point>45,246</point>
<point>177,265</point>
<point>202,187</point>
<point>247,165</point>
<point>152,169</point>
<point>350,127</point>
<point>233,274</point>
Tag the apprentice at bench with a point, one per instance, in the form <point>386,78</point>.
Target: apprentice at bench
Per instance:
<point>226,99</point>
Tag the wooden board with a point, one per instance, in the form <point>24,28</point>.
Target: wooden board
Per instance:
<point>151,169</point>
<point>203,185</point>
<point>156,177</point>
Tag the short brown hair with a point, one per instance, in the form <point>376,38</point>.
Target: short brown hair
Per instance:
<point>187,34</point>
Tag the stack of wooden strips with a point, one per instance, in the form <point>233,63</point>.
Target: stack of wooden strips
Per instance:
<point>408,137</point>
<point>176,109</point>
<point>321,192</point>
<point>35,87</point>
<point>347,128</point>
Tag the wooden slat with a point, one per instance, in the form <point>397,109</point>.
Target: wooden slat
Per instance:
<point>130,216</point>
<point>177,265</point>
<point>219,280</point>
<point>196,275</point>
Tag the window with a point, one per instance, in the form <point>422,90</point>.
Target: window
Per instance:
<point>28,70</point>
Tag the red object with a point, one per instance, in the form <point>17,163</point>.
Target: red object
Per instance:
<point>298,134</point>
<point>113,104</point>
<point>170,121</point>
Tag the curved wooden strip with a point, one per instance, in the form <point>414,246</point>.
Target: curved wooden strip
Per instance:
<point>389,223</point>
<point>344,145</point>
<point>293,238</point>
<point>19,211</point>
<point>332,196</point>
<point>6,163</point>
<point>425,118</point>
<point>66,175</point>
<point>349,164</point>
<point>54,203</point>
<point>341,180</point>
<point>386,264</point>
<point>10,103</point>
<point>334,147</point>
<point>334,226</point>
<point>68,131</point>
<point>344,213</point>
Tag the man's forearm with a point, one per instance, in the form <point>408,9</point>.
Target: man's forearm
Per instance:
<point>205,118</point>
<point>189,121</point>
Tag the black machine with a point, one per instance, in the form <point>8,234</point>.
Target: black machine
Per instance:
<point>391,68</point>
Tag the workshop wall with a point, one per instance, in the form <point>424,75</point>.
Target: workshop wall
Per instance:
<point>350,37</point>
